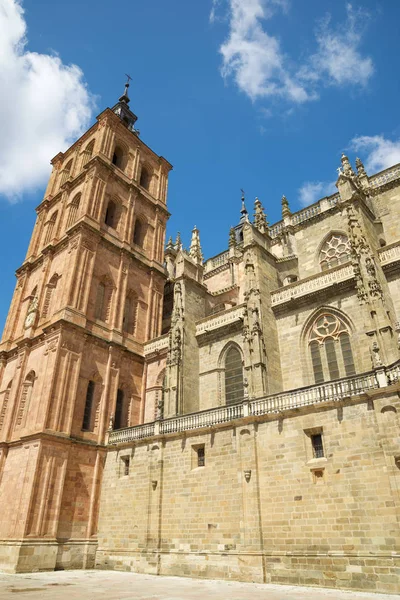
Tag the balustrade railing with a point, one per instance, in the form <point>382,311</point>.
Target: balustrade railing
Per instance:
<point>388,254</point>
<point>276,403</point>
<point>385,177</point>
<point>335,390</point>
<point>321,281</point>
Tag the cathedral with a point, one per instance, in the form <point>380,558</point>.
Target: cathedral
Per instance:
<point>235,417</point>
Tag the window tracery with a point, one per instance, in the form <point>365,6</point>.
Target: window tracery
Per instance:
<point>330,348</point>
<point>335,251</point>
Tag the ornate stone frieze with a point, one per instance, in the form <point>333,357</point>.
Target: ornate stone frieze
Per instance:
<point>224,319</point>
<point>312,285</point>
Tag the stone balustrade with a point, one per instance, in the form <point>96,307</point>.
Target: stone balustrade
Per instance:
<point>332,391</point>
<point>160,343</point>
<point>385,176</point>
<point>321,281</point>
<point>389,254</point>
<point>220,320</point>
<point>216,261</point>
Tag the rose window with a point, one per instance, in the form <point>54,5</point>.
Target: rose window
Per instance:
<point>335,251</point>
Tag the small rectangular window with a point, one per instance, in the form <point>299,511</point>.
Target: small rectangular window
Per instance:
<point>317,446</point>
<point>201,456</point>
<point>125,463</point>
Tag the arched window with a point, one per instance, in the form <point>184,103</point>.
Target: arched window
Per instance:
<point>118,158</point>
<point>87,153</point>
<point>120,415</point>
<point>330,348</point>
<point>49,295</point>
<point>139,233</point>
<point>73,210</point>
<point>66,172</point>
<point>26,394</point>
<point>130,314</point>
<point>335,251</point>
<point>234,390</point>
<point>145,178</point>
<point>5,405</point>
<point>49,228</point>
<point>109,218</point>
<point>88,410</point>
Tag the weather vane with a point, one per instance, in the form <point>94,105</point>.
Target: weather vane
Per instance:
<point>129,78</point>
<point>242,190</point>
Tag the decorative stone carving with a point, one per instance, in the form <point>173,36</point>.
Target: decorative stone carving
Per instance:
<point>32,313</point>
<point>260,218</point>
<point>195,247</point>
<point>285,208</point>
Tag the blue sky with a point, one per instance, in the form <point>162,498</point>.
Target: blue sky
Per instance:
<point>258,94</point>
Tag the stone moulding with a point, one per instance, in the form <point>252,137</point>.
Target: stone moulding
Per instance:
<point>219,320</point>
<point>333,391</point>
<point>157,345</point>
<point>316,283</point>
<point>389,254</point>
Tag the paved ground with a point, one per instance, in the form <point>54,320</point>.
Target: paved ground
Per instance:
<point>111,585</point>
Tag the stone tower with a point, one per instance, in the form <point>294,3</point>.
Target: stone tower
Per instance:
<point>88,296</point>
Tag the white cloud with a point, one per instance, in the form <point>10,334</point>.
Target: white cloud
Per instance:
<point>379,151</point>
<point>311,191</point>
<point>338,57</point>
<point>253,57</point>
<point>261,69</point>
<point>44,105</point>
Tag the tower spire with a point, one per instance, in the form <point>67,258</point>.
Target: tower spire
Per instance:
<point>243,211</point>
<point>125,98</point>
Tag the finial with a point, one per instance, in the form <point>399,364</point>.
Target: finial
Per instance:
<point>260,218</point>
<point>170,244</point>
<point>125,97</point>
<point>285,207</point>
<point>178,242</point>
<point>360,166</point>
<point>243,210</point>
<point>232,238</point>
<point>195,247</point>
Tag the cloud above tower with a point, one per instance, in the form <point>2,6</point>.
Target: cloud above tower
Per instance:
<point>44,106</point>
<point>258,62</point>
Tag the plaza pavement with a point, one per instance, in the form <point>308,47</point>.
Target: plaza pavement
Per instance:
<point>113,585</point>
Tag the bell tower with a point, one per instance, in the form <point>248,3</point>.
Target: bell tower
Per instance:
<point>88,296</point>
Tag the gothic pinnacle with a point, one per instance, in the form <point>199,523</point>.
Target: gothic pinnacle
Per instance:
<point>260,218</point>
<point>195,246</point>
<point>232,238</point>
<point>285,207</point>
<point>178,242</point>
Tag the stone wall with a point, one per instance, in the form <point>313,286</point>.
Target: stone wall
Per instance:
<point>263,508</point>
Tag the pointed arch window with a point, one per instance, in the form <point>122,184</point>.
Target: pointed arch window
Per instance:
<point>49,228</point>
<point>73,210</point>
<point>139,233</point>
<point>87,153</point>
<point>234,390</point>
<point>330,348</point>
<point>335,251</point>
